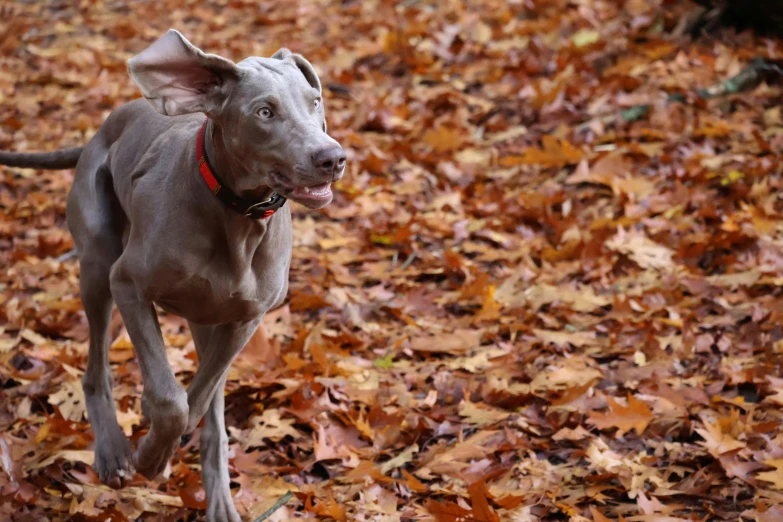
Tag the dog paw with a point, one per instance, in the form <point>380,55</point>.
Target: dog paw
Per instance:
<point>221,509</point>
<point>150,458</point>
<point>113,461</point>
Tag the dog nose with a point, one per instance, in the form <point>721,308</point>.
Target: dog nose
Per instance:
<point>330,161</point>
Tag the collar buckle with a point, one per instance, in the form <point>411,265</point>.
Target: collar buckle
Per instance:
<point>251,210</point>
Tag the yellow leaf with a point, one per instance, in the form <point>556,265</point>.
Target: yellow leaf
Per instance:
<point>474,157</point>
<point>482,33</point>
<point>716,441</point>
<point>585,37</point>
<point>775,477</point>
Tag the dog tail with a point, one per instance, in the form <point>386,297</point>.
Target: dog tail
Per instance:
<point>58,159</point>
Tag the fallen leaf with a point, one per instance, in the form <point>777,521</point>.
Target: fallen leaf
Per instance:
<point>480,414</point>
<point>642,250</point>
<point>458,342</point>
<point>636,415</point>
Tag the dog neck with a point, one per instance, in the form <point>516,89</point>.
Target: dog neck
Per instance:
<point>228,168</point>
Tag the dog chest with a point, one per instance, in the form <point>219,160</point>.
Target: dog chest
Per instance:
<point>217,295</point>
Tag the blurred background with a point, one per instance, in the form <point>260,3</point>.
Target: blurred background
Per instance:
<point>549,286</point>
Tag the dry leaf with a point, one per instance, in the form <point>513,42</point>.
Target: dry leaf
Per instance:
<point>636,415</point>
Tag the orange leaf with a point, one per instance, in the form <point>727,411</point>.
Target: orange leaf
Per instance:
<point>476,288</point>
<point>490,309</point>
<point>553,153</point>
<point>413,483</point>
<point>625,418</point>
<point>442,139</point>
<point>192,494</point>
<point>367,470</point>
<point>478,501</point>
<point>330,508</point>
<point>318,352</point>
<point>293,362</point>
<point>509,501</point>
<point>446,512</point>
<point>598,516</point>
<point>302,301</point>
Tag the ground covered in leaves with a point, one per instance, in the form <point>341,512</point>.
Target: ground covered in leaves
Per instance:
<point>549,287</point>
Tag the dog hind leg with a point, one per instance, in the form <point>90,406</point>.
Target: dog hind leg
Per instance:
<point>96,223</point>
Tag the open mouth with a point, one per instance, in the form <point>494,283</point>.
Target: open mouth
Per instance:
<point>319,192</point>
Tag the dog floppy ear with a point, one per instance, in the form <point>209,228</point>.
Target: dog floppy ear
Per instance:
<point>305,67</point>
<point>302,64</point>
<point>177,77</point>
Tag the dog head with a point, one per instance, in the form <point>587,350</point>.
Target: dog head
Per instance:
<point>269,110</point>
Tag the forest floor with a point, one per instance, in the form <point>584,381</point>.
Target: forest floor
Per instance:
<point>549,286</point>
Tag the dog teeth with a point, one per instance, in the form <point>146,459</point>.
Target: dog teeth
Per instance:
<point>317,190</point>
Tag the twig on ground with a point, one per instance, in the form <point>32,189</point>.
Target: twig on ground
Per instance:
<point>277,505</point>
<point>755,72</point>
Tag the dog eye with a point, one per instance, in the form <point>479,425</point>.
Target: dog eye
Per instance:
<point>317,102</point>
<point>265,112</point>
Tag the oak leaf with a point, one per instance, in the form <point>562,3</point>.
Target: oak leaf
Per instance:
<point>457,342</point>
<point>775,476</point>
<point>553,153</point>
<point>480,414</point>
<point>447,511</point>
<point>642,250</point>
<point>716,441</point>
<point>636,415</point>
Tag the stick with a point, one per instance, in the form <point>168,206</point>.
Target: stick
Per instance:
<point>281,501</point>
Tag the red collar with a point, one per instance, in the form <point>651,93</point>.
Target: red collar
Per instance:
<point>251,209</point>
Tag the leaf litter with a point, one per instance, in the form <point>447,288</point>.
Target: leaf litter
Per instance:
<point>549,287</point>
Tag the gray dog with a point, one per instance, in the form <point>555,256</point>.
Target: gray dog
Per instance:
<point>189,213</point>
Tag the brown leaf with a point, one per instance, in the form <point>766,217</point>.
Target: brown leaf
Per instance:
<point>458,342</point>
<point>773,514</point>
<point>481,414</point>
<point>598,516</point>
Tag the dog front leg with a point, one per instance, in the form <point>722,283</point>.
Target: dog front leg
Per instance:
<point>214,443</point>
<point>165,402</point>
<point>217,346</point>
<point>224,344</point>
